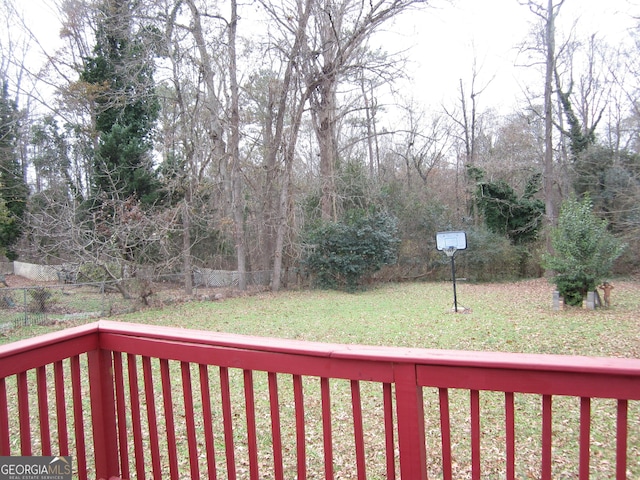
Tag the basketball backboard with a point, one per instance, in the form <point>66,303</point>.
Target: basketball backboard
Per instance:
<point>447,240</point>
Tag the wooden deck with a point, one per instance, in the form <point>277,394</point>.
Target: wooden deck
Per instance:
<point>137,401</point>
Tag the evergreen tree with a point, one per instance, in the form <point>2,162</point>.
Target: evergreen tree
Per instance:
<point>126,106</point>
<point>13,189</point>
<point>584,250</point>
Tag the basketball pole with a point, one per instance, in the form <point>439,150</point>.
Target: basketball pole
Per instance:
<point>453,279</point>
<point>450,243</point>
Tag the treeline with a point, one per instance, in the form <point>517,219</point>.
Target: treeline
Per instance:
<point>190,133</point>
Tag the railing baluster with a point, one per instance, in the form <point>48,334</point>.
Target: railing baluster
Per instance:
<point>390,445</point>
<point>99,370</point>
<point>151,416</point>
<point>23,412</point>
<point>227,420</point>
<point>445,432</point>
<point>475,434</point>
<point>327,435</point>
<point>187,393</point>
<point>61,409</point>
<point>5,445</point>
<point>510,435</point>
<point>276,436</point>
<point>167,402</point>
<point>585,437</point>
<point>134,398</point>
<point>43,411</point>
<point>410,413</point>
<point>358,430</point>
<point>301,447</point>
<point>205,396</point>
<point>121,413</point>
<point>78,418</point>
<point>621,439</point>
<point>252,438</point>
<point>546,436</point>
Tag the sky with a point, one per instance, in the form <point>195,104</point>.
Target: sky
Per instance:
<point>446,38</point>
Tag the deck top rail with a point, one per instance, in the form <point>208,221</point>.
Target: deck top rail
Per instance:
<point>135,401</point>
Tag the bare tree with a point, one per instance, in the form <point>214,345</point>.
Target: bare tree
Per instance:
<point>547,13</point>
<point>424,144</point>
<point>234,151</point>
<point>201,99</point>
<point>286,99</point>
<point>117,238</point>
<point>467,118</point>
<point>339,33</point>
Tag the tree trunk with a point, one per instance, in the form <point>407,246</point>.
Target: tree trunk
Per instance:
<point>270,187</point>
<point>279,139</point>
<point>186,248</point>
<point>234,148</point>
<point>370,115</point>
<point>548,167</point>
<point>276,280</point>
<point>326,111</point>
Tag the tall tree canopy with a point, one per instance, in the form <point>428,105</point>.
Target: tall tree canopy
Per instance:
<point>13,189</point>
<point>120,79</point>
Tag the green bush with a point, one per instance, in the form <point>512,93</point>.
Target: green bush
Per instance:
<point>41,300</point>
<point>583,250</point>
<point>340,254</point>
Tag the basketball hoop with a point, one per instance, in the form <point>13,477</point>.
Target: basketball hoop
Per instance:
<point>450,251</point>
<point>450,243</point>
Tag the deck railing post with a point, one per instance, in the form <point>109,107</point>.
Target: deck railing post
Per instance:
<point>411,435</point>
<point>103,414</point>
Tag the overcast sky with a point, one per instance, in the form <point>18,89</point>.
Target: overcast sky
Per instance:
<point>447,39</point>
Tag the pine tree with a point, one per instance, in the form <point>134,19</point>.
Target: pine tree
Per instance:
<point>584,250</point>
<point>126,106</point>
<point>13,189</point>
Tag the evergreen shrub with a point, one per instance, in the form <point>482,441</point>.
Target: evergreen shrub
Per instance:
<point>341,254</point>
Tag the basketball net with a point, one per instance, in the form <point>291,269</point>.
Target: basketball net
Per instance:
<point>450,251</point>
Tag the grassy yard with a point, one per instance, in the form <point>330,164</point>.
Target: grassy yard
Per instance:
<point>510,317</point>
<point>514,317</point>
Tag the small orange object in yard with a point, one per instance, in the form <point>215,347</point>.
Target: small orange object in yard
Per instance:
<point>606,287</point>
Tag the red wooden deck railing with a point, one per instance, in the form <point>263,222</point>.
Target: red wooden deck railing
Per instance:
<point>137,401</point>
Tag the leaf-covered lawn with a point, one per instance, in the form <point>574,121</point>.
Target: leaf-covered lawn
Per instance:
<point>514,317</point>
<point>510,317</point>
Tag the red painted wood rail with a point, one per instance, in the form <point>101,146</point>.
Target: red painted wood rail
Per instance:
<point>139,401</point>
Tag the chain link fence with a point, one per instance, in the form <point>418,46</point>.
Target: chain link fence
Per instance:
<point>204,277</point>
<point>56,294</point>
<point>41,305</point>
